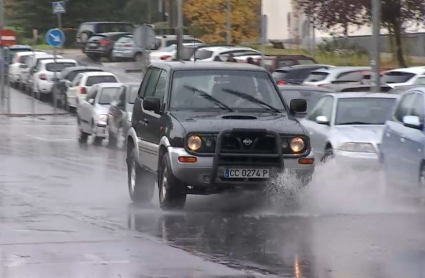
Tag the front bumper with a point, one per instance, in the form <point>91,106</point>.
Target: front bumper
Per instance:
<point>358,160</point>
<point>98,51</point>
<point>100,130</point>
<point>207,174</point>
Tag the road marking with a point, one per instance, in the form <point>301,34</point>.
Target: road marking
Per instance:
<point>39,138</point>
<point>96,259</point>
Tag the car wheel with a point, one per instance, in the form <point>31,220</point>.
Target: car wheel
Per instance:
<point>329,154</point>
<point>138,57</point>
<point>171,194</point>
<point>95,58</point>
<point>140,189</point>
<point>112,139</point>
<point>96,139</point>
<point>82,136</point>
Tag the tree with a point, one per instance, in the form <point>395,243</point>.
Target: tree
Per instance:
<point>331,13</point>
<point>209,16</point>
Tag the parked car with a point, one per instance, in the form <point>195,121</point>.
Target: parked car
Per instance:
<point>167,40</point>
<point>17,65</point>
<point>401,89</point>
<point>89,29</point>
<point>101,45</point>
<point>120,114</point>
<point>337,75</point>
<point>92,112</point>
<point>170,53</point>
<point>356,87</point>
<point>31,65</point>
<point>403,141</point>
<point>349,126</point>
<point>309,93</point>
<point>273,62</point>
<point>77,89</point>
<point>223,127</point>
<point>296,74</point>
<point>404,76</point>
<point>222,52</point>
<point>66,76</point>
<point>45,73</point>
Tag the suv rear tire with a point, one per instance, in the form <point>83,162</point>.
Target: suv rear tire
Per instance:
<point>171,195</point>
<point>140,189</point>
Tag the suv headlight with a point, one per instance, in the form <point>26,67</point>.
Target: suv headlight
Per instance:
<point>129,116</point>
<point>358,147</point>
<point>103,118</point>
<point>194,142</point>
<point>297,144</point>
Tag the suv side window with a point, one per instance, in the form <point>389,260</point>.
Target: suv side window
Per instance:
<point>323,108</point>
<point>418,108</point>
<point>144,83</point>
<point>160,86</point>
<point>153,79</point>
<point>405,106</point>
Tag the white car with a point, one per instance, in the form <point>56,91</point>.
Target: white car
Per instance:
<point>18,64</point>
<point>31,65</point>
<point>45,73</point>
<point>92,112</point>
<point>349,126</point>
<point>78,88</point>
<point>404,76</point>
<point>214,53</point>
<point>337,75</point>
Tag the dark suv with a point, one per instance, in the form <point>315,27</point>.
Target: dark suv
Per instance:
<point>89,29</point>
<point>205,128</point>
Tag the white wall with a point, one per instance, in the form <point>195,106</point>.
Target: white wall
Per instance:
<point>276,11</point>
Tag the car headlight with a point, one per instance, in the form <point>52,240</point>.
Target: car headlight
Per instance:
<point>358,147</point>
<point>194,142</point>
<point>129,116</point>
<point>297,144</point>
<point>103,118</point>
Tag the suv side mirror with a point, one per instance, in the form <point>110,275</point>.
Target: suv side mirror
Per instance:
<point>91,101</point>
<point>412,122</point>
<point>322,120</point>
<point>298,105</point>
<point>152,104</point>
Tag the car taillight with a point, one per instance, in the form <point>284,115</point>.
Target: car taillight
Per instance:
<point>42,76</point>
<point>165,57</point>
<point>104,42</point>
<point>280,82</point>
<point>128,45</point>
<point>83,90</point>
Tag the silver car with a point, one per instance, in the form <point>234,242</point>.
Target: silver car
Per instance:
<point>337,75</point>
<point>92,112</point>
<point>349,126</point>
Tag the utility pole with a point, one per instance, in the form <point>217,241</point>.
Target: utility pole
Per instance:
<point>180,30</point>
<point>376,43</point>
<point>229,22</point>
<point>2,57</point>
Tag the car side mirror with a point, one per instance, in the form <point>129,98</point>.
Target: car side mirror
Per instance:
<point>298,105</point>
<point>412,122</point>
<point>152,104</point>
<point>322,120</point>
<point>91,101</point>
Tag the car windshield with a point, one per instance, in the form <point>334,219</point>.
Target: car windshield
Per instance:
<point>309,95</point>
<point>396,77</point>
<point>224,89</point>
<point>107,95</point>
<point>57,67</point>
<point>363,111</point>
<point>317,76</point>
<point>134,90</point>
<point>168,48</point>
<point>115,27</point>
<point>279,74</point>
<point>203,54</point>
<point>71,75</point>
<point>100,79</point>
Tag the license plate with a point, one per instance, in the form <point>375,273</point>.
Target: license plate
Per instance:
<point>247,173</point>
<point>93,44</point>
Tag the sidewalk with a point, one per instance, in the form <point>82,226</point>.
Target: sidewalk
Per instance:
<point>23,105</point>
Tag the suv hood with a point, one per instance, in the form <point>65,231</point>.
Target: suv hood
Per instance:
<point>214,123</point>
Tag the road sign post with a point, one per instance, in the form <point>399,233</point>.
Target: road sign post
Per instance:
<point>55,38</point>
<point>144,37</point>
<point>58,9</point>
<point>7,38</point>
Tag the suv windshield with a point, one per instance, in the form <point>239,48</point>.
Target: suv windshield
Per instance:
<point>100,79</point>
<point>396,77</point>
<point>224,89</point>
<point>107,95</point>
<point>56,67</point>
<point>364,111</point>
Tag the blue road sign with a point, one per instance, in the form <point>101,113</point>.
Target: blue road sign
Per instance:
<point>55,37</point>
<point>58,7</point>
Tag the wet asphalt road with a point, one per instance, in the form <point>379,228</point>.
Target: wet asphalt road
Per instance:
<point>65,212</point>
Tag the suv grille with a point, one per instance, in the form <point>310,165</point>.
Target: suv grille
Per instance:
<point>249,143</point>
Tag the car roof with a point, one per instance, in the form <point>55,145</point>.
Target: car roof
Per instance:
<point>97,73</point>
<point>83,68</point>
<point>108,22</point>
<point>342,69</point>
<point>200,65</point>
<point>58,60</point>
<point>363,95</point>
<point>304,87</point>
<point>172,36</point>
<point>409,70</point>
<point>19,46</point>
<point>108,85</point>
<point>22,53</point>
<point>304,66</point>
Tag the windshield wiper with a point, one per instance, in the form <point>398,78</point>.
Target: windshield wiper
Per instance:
<point>251,99</point>
<point>209,97</point>
<point>355,123</point>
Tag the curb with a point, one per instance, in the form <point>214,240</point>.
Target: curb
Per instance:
<point>31,115</point>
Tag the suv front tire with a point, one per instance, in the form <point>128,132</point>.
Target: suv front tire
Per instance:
<point>171,190</point>
<point>140,189</point>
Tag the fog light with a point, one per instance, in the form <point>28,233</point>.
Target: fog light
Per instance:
<point>306,161</point>
<point>187,159</point>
